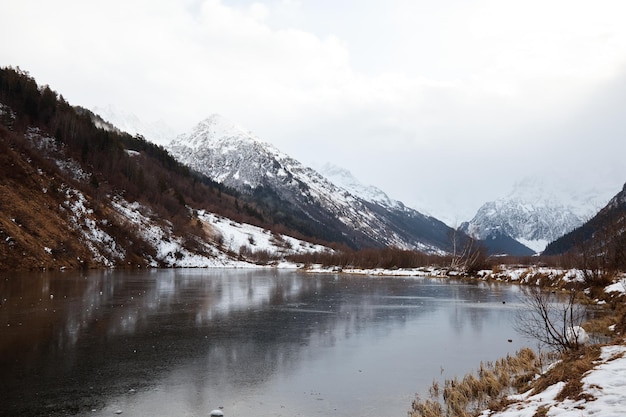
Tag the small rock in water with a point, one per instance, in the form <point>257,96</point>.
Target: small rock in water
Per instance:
<point>119,412</point>
<point>216,413</point>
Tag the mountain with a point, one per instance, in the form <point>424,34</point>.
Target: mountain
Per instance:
<point>301,197</point>
<point>76,195</point>
<point>343,178</point>
<point>602,238</point>
<point>110,117</point>
<point>536,212</point>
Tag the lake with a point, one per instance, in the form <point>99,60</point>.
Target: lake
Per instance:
<point>255,342</point>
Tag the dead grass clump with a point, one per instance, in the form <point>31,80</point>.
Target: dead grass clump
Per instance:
<point>487,388</point>
<point>541,412</point>
<point>427,408</point>
<point>570,369</point>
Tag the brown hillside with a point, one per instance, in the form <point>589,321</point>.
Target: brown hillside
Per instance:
<point>34,233</point>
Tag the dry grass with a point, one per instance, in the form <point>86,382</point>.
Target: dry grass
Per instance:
<point>541,412</point>
<point>487,388</point>
<point>570,369</point>
<point>491,385</point>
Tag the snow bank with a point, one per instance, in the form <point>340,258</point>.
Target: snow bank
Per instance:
<point>619,286</point>
<point>237,235</point>
<point>606,383</point>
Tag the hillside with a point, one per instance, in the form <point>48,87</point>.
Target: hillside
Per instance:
<point>601,241</point>
<point>75,195</point>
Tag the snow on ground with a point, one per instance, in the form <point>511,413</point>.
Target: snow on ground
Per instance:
<point>531,275</point>
<point>237,235</point>
<point>402,272</point>
<point>525,275</point>
<point>619,286</point>
<point>228,239</point>
<point>537,245</point>
<point>606,383</point>
<point>102,246</point>
<point>169,249</point>
<point>52,147</point>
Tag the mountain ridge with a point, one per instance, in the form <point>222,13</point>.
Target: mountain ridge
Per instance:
<point>535,212</point>
<point>235,157</point>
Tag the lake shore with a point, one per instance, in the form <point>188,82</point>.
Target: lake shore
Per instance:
<point>602,388</point>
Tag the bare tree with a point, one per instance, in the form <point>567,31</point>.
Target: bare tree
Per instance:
<point>468,254</point>
<point>552,320</point>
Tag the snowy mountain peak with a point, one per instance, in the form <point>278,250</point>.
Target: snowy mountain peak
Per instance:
<point>352,213</point>
<point>217,131</point>
<point>557,191</point>
<point>217,127</point>
<point>343,178</point>
<point>537,211</point>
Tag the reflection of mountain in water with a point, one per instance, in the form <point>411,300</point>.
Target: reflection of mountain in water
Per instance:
<point>95,336</point>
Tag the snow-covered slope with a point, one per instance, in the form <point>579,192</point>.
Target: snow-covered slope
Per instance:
<point>238,159</point>
<point>343,178</point>
<point>535,213</point>
<point>603,392</point>
<point>226,237</point>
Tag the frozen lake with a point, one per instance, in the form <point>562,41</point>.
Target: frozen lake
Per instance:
<point>257,343</point>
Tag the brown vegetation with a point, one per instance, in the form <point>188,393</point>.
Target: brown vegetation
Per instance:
<point>390,258</point>
<point>486,388</point>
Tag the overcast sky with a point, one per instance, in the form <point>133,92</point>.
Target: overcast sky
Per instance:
<point>442,104</point>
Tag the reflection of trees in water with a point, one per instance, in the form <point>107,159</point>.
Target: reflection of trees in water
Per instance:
<point>114,330</point>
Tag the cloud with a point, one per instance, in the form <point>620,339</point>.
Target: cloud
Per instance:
<point>431,101</point>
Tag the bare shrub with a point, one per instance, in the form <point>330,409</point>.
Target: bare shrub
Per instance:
<point>551,320</point>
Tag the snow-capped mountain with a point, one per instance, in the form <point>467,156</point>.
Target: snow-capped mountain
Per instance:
<point>300,196</point>
<point>603,236</point>
<point>535,213</point>
<point>343,178</point>
<point>157,132</point>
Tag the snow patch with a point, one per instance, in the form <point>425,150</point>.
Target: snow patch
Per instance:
<point>606,383</point>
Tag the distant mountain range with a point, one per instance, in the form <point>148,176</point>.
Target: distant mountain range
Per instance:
<point>602,238</point>
<point>79,192</point>
<point>535,213</point>
<point>359,217</point>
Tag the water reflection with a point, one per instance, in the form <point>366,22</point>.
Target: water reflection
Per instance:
<point>183,342</point>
